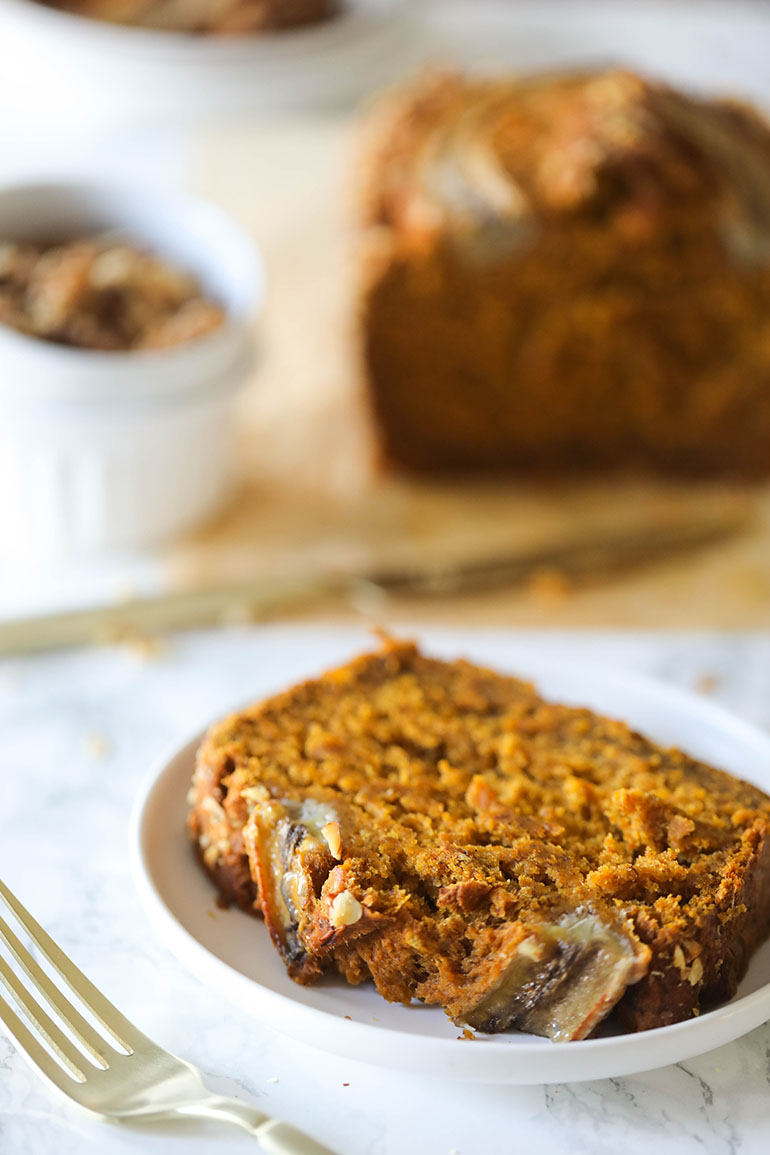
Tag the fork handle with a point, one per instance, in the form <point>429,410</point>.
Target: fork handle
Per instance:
<point>279,1138</point>
<point>275,1137</point>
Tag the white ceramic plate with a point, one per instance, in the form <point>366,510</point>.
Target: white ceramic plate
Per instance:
<point>232,953</point>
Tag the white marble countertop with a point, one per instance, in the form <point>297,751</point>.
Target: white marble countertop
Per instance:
<point>80,731</point>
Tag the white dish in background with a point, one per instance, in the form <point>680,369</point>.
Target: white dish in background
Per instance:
<point>144,75</point>
<point>231,952</point>
<point>96,77</point>
<point>119,450</point>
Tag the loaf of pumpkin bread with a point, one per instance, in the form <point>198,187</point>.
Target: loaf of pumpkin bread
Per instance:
<point>566,274</point>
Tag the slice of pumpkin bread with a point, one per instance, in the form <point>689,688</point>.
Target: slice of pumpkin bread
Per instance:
<point>443,830</point>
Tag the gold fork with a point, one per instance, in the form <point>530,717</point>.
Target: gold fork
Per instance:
<point>106,1065</point>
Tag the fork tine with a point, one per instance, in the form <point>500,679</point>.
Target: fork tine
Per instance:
<point>108,1016</point>
<point>47,1029</point>
<point>87,1036</point>
<point>34,1051</point>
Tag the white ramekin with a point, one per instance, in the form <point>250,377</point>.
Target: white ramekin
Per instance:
<point>96,70</point>
<point>117,451</point>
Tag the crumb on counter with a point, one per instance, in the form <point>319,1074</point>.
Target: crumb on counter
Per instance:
<point>146,647</point>
<point>707,683</point>
<point>549,585</point>
<point>97,746</point>
<point>238,613</point>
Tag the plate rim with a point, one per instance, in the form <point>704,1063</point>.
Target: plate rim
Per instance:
<point>525,1063</point>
